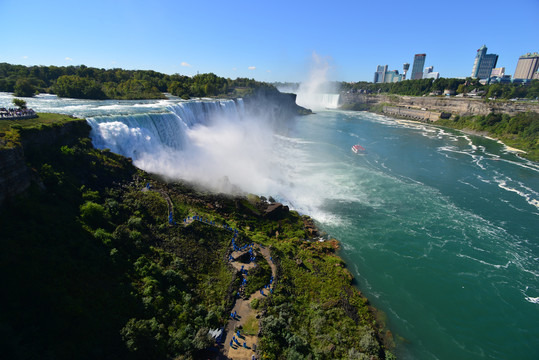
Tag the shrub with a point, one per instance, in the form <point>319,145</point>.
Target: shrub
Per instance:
<point>92,214</point>
<point>19,103</point>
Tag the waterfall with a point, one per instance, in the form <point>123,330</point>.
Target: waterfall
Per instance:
<point>213,143</point>
<point>138,135</point>
<point>202,112</point>
<point>330,101</point>
<point>318,101</point>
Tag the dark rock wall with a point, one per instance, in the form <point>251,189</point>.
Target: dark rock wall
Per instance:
<point>15,175</point>
<point>273,105</point>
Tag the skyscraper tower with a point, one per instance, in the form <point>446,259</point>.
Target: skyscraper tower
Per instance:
<point>483,64</point>
<point>380,74</point>
<point>419,63</point>
<point>405,67</point>
<point>527,66</point>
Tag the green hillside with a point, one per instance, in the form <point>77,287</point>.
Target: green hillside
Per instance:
<point>93,269</point>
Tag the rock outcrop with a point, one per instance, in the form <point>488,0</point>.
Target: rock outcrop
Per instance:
<point>453,105</point>
<point>276,211</point>
<point>15,175</point>
<point>270,104</point>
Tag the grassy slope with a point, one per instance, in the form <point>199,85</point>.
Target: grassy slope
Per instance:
<point>94,270</point>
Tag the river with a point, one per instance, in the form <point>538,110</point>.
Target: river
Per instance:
<point>440,228</point>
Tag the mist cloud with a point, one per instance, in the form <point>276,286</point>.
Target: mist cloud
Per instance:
<point>315,92</point>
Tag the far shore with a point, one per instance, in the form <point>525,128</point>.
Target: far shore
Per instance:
<point>487,136</point>
<point>466,131</point>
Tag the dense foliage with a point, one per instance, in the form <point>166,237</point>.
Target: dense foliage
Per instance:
<point>520,131</point>
<point>92,83</point>
<point>460,86</point>
<point>94,269</point>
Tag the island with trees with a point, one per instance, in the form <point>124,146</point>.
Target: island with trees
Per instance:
<point>84,82</point>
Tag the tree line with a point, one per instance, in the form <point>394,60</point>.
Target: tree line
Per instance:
<point>459,86</point>
<point>84,82</point>
<point>520,131</point>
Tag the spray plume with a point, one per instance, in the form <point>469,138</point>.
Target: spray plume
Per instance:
<point>317,93</point>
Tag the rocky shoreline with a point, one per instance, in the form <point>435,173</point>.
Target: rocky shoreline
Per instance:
<point>433,109</point>
<point>452,105</point>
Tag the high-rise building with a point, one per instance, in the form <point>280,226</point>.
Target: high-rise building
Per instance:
<point>380,74</point>
<point>417,68</point>
<point>393,76</point>
<point>483,64</point>
<point>527,66</point>
<point>498,72</point>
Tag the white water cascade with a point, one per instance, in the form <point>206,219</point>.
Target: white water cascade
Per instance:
<point>318,101</point>
<point>212,143</point>
<point>316,92</point>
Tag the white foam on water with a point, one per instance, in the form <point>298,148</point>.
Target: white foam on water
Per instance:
<point>531,197</point>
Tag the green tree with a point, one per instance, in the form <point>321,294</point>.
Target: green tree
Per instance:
<point>24,87</point>
<point>93,214</point>
<point>19,103</point>
<point>495,91</point>
<point>202,340</point>
<point>76,87</point>
<point>145,338</point>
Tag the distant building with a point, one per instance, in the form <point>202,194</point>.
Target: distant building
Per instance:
<point>498,76</point>
<point>498,72</point>
<point>449,92</point>
<point>417,68</point>
<point>483,64</point>
<point>504,79</point>
<point>380,74</point>
<point>527,66</point>
<point>429,73</point>
<point>393,76</point>
<point>405,67</point>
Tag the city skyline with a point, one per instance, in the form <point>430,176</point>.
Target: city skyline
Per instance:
<point>267,42</point>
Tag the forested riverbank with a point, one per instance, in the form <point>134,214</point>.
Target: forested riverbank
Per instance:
<point>84,82</point>
<point>514,123</point>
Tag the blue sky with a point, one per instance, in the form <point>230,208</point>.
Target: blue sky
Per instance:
<point>266,40</point>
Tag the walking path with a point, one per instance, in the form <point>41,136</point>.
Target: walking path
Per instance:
<point>245,347</point>
<point>237,345</point>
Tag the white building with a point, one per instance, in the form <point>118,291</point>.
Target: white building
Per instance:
<point>429,73</point>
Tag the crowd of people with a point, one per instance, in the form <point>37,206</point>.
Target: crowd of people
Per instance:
<point>16,113</point>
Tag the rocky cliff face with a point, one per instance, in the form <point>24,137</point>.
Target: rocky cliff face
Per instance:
<point>272,104</point>
<point>15,175</point>
<point>456,106</point>
<point>64,134</point>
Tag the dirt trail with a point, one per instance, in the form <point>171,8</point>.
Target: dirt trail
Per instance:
<point>245,347</point>
<point>245,313</point>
